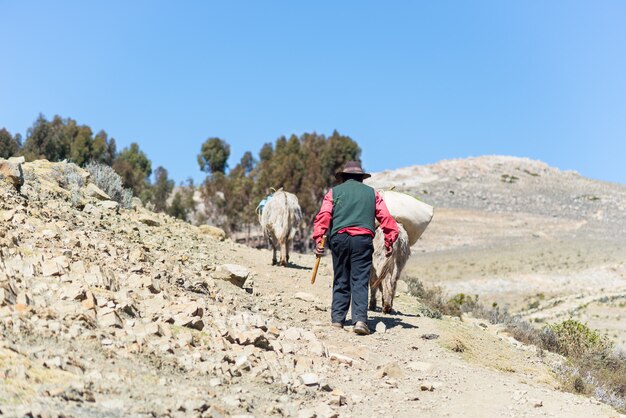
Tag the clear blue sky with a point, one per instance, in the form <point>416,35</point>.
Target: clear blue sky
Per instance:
<point>413,82</point>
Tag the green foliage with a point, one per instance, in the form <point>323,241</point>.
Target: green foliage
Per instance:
<point>161,189</point>
<point>61,139</point>
<point>9,144</point>
<point>214,155</point>
<point>182,203</point>
<point>577,339</point>
<point>134,167</point>
<point>304,165</point>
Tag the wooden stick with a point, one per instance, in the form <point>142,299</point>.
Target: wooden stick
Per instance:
<point>317,260</point>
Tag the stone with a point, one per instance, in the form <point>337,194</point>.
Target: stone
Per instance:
<point>23,299</point>
<point>381,328</point>
<point>74,291</point>
<point>213,232</point>
<point>92,190</point>
<point>110,319</point>
<point>310,379</point>
<point>232,273</point>
<point>109,205</point>
<point>292,334</point>
<point>419,366</point>
<point>307,297</point>
<point>342,359</point>
<point>148,220</point>
<point>12,172</point>
<point>391,370</point>
<point>17,160</point>
<point>7,215</point>
<point>429,336</point>
<point>91,209</point>
<point>50,268</point>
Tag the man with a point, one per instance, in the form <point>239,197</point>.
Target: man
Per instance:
<point>347,217</point>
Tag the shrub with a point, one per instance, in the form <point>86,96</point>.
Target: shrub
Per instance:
<point>576,339</point>
<point>592,367</point>
<point>69,178</point>
<point>110,182</point>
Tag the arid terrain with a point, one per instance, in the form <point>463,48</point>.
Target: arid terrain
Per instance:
<point>114,312</point>
<point>546,243</point>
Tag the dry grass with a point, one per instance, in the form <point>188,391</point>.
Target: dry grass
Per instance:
<point>593,365</point>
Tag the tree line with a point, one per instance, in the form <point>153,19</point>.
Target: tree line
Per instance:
<point>304,165</point>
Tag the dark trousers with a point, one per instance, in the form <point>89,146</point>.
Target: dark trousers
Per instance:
<point>352,262</point>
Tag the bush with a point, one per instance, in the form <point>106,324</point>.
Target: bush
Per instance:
<point>575,339</point>
<point>110,182</point>
<point>69,178</point>
<point>592,366</point>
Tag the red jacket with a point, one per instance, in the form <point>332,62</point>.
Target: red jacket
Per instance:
<point>324,216</point>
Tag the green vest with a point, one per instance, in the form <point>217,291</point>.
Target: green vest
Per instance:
<point>354,204</point>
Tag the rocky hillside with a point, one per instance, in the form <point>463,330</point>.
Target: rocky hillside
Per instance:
<point>512,185</point>
<point>549,244</point>
<point>108,311</point>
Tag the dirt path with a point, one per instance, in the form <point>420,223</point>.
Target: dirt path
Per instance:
<point>488,375</point>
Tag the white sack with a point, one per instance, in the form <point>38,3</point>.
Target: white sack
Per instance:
<point>413,214</point>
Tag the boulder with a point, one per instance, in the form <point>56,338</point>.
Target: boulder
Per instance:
<point>94,191</point>
<point>233,273</point>
<point>148,220</point>
<point>12,171</point>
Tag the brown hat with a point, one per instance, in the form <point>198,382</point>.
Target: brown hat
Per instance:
<point>352,167</point>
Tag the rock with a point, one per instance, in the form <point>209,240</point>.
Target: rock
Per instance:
<point>307,297</point>
<point>213,231</point>
<point>109,205</point>
<point>148,220</point>
<point>429,386</point>
<point>17,160</point>
<point>402,287</point>
<point>110,319</point>
<point>391,369</point>
<point>309,379</point>
<point>381,328</point>
<point>7,215</point>
<point>50,268</point>
<point>317,348</point>
<point>419,366</point>
<point>91,209</point>
<point>92,190</point>
<point>12,172</point>
<point>338,398</point>
<point>429,336</point>
<point>292,334</point>
<point>74,291</point>
<point>233,273</point>
<point>8,292</point>
<point>342,359</point>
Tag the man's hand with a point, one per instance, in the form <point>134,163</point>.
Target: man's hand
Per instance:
<point>319,250</point>
<point>388,251</point>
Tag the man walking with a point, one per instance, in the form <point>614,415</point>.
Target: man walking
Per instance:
<point>347,217</point>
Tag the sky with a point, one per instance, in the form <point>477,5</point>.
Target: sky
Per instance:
<point>413,82</point>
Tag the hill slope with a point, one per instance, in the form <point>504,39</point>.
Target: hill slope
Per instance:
<point>518,232</point>
<point>112,312</point>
